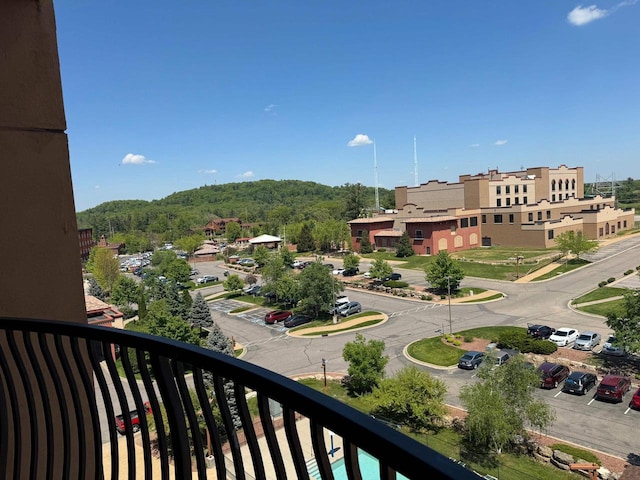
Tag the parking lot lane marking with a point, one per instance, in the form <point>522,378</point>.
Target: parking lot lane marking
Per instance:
<point>591,401</point>
<point>627,410</point>
<point>556,395</point>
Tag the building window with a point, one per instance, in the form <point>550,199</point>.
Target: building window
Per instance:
<point>499,202</point>
<point>474,221</point>
<point>484,219</point>
<point>497,218</point>
<point>359,233</point>
<point>516,189</point>
<point>553,197</point>
<point>559,184</point>
<point>428,250</point>
<point>498,190</point>
<point>511,218</point>
<point>524,200</point>
<point>548,214</point>
<point>624,222</point>
<point>600,232</point>
<point>531,216</point>
<point>454,227</point>
<point>507,189</point>
<point>550,234</point>
<point>539,215</point>
<point>524,189</point>
<point>419,234</point>
<point>517,200</point>
<point>553,185</point>
<point>566,196</point>
<point>566,184</point>
<point>464,222</point>
<point>508,202</point>
<point>573,184</point>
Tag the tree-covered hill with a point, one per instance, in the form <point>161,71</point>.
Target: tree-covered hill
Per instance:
<point>272,203</point>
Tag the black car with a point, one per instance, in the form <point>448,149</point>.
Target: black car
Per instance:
<point>471,360</point>
<point>579,382</point>
<point>542,332</point>
<point>296,320</point>
<point>350,272</point>
<point>394,276</point>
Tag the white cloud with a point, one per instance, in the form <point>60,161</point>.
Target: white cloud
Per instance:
<point>270,108</point>
<point>500,142</point>
<point>583,15</point>
<point>474,145</point>
<point>209,171</point>
<point>135,159</point>
<point>359,140</point>
<point>247,174</point>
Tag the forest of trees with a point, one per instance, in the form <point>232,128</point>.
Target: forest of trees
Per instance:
<point>272,203</point>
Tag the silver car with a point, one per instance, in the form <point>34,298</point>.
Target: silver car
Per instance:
<point>587,341</point>
<point>611,348</point>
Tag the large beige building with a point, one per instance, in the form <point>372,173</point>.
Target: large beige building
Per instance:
<point>527,208</point>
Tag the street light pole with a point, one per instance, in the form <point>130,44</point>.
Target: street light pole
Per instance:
<point>324,371</point>
<point>518,258</point>
<point>449,296</point>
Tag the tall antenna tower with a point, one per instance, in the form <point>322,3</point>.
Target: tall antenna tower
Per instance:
<point>375,176</point>
<point>603,186</point>
<point>415,163</point>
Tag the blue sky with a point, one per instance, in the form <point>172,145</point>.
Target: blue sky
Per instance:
<point>165,96</point>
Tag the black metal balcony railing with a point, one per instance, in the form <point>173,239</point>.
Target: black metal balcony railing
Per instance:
<point>60,392</point>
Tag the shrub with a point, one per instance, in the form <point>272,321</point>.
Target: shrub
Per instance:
<point>443,297</point>
<point>602,284</point>
<point>429,297</point>
<point>468,338</point>
<point>525,344</point>
<point>382,250</point>
<point>611,279</point>
<point>628,272</point>
<point>543,347</point>
<point>457,343</point>
<point>395,284</point>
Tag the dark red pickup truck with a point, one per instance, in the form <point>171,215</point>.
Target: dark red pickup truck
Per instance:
<point>135,420</point>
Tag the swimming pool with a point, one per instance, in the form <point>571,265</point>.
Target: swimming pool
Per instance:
<point>369,467</point>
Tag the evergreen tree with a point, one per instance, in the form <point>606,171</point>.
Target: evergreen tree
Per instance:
<point>365,243</point>
<point>305,239</point>
<point>200,315</point>
<point>403,246</point>
<point>96,290</point>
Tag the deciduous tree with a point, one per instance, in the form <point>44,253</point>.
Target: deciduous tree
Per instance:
<point>626,322</point>
<point>105,267</point>
<point>316,288</point>
<point>366,363</point>
<point>412,397</point>
<point>125,292</point>
<point>380,268</point>
<point>503,404</point>
<point>351,261</point>
<point>444,272</point>
<point>233,231</point>
<point>575,242</point>
<point>233,283</point>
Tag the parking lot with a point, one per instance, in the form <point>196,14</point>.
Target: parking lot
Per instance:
<point>255,315</point>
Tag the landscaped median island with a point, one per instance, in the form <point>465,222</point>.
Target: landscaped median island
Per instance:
<point>319,328</point>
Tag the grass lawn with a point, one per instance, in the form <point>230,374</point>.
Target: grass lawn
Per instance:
<point>434,351</point>
<point>492,254</point>
<point>600,294</point>
<point>563,268</point>
<point>485,270</point>
<point>604,308</point>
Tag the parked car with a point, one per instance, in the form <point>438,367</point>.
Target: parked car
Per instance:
<point>564,336</point>
<point>135,420</point>
<point>500,357</point>
<point>471,360</point>
<point>393,276</point>
<point>341,301</point>
<point>540,331</point>
<point>276,316</point>
<point>247,262</point>
<point>552,374</point>
<point>252,290</point>
<point>194,272</point>
<point>206,279</point>
<point>296,320</point>
<point>587,341</point>
<point>635,400</point>
<point>611,347</point>
<point>338,271</point>
<point>613,387</point>
<point>580,382</point>
<point>349,308</point>
<point>350,272</point>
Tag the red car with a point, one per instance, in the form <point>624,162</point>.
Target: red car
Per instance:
<point>613,387</point>
<point>635,400</point>
<point>276,316</point>
<point>135,420</point>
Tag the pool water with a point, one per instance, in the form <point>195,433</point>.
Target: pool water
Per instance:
<point>369,468</point>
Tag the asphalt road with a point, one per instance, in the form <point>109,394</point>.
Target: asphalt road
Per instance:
<point>606,427</point>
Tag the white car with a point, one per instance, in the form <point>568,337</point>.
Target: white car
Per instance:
<point>564,336</point>
<point>338,271</point>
